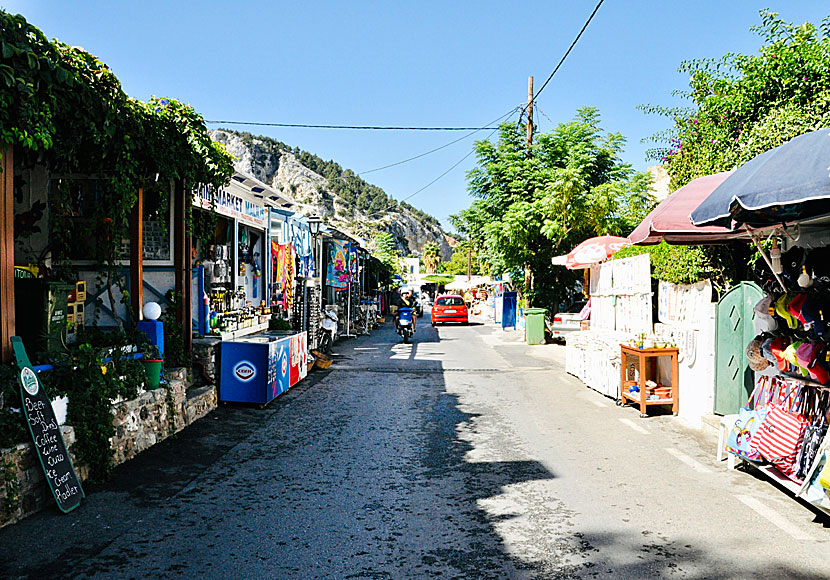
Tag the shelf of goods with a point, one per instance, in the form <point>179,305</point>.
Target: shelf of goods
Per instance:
<point>646,370</point>
<point>230,335</point>
<point>594,358</point>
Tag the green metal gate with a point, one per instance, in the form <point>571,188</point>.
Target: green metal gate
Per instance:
<point>734,379</point>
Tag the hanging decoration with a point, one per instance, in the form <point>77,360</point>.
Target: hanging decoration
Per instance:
<point>337,275</point>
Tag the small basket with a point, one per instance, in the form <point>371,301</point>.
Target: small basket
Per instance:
<point>322,361</point>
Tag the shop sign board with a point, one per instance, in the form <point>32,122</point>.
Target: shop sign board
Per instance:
<point>231,205</point>
<point>46,434</point>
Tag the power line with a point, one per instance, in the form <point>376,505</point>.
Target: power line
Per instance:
<point>456,164</point>
<point>562,60</point>
<point>442,146</point>
<point>354,127</point>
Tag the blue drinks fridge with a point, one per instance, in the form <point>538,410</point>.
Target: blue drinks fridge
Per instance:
<point>254,369</point>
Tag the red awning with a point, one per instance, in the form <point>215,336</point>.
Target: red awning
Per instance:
<point>594,250</point>
<point>670,220</point>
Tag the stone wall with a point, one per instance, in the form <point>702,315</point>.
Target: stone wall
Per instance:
<point>139,424</point>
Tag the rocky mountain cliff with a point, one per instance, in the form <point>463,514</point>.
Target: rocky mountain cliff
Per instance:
<point>342,198</point>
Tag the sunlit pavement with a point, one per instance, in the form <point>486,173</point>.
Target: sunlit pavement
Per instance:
<point>465,454</point>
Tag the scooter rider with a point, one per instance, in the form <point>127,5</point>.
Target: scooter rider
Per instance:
<point>406,301</point>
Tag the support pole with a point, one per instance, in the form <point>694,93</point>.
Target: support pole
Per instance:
<point>529,115</point>
<point>7,329</point>
<point>181,263</point>
<point>137,257</point>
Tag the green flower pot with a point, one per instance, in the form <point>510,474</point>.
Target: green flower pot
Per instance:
<point>153,370</point>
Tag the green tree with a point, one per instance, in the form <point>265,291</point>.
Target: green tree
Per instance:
<point>457,264</point>
<point>743,105</point>
<point>528,208</point>
<point>386,252</point>
<point>431,257</point>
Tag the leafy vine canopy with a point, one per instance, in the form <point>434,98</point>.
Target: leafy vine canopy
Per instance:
<point>63,107</point>
<point>743,105</point>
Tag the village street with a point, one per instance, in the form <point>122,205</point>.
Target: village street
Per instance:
<point>467,454</point>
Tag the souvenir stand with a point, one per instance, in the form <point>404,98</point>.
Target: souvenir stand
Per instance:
<point>234,307</point>
<point>343,280</point>
<point>230,298</point>
<point>621,308</point>
<point>783,429</point>
<point>782,197</point>
<point>293,292</point>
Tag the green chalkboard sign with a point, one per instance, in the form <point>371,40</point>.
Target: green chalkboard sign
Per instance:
<point>46,434</point>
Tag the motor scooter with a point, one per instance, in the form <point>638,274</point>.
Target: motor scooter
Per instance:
<point>405,324</point>
<point>328,329</point>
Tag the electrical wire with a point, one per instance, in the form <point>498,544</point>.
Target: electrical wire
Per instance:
<point>507,114</point>
<point>354,127</point>
<point>456,164</point>
<point>562,60</point>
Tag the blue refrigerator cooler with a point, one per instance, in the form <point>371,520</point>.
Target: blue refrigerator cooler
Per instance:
<point>254,369</point>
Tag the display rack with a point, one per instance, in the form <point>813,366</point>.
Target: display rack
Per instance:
<point>242,332</point>
<point>647,368</point>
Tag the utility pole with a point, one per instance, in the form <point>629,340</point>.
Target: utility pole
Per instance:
<point>469,259</point>
<point>529,114</point>
<point>528,273</point>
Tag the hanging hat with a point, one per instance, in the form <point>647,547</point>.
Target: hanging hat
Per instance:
<point>782,310</point>
<point>808,355</point>
<point>765,322</point>
<point>777,347</point>
<point>757,362</point>
<point>791,356</point>
<point>795,305</point>
<point>767,351</point>
<point>811,312</point>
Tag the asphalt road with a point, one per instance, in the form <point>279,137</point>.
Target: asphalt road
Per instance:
<point>463,455</point>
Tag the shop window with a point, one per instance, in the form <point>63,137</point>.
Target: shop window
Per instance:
<point>83,237</point>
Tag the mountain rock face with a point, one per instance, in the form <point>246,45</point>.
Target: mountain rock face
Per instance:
<point>362,214</point>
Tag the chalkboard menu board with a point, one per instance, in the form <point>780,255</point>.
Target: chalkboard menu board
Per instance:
<point>46,434</point>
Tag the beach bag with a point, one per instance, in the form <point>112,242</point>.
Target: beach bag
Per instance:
<point>739,441</point>
<point>816,488</point>
<point>824,477</point>
<point>814,434</point>
<point>780,436</point>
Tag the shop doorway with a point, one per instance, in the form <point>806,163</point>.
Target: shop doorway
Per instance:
<point>734,380</point>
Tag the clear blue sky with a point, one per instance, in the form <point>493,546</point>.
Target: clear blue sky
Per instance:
<point>425,63</point>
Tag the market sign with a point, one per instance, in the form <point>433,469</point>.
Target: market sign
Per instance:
<point>231,205</point>
<point>46,434</point>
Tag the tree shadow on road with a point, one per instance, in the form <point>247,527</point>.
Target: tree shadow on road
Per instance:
<point>356,473</point>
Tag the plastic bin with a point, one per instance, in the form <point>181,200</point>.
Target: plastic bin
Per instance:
<point>535,325</point>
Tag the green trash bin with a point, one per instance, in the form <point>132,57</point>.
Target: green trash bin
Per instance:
<point>535,325</point>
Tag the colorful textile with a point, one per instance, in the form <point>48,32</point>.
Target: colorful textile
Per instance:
<point>337,274</point>
<point>282,269</point>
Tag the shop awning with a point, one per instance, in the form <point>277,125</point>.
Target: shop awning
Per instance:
<point>670,220</point>
<point>785,184</point>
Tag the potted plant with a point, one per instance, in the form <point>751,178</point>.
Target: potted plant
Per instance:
<point>152,361</point>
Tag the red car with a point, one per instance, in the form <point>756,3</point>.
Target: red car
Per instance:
<point>449,308</point>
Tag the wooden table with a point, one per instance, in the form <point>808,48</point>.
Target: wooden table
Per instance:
<point>650,356</point>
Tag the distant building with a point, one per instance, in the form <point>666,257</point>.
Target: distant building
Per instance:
<point>412,269</point>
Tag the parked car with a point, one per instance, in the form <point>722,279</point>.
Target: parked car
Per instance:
<point>567,321</point>
<point>449,308</point>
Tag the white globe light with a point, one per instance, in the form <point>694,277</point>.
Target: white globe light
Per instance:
<point>151,311</point>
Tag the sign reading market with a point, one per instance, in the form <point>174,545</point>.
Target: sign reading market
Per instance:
<point>231,205</point>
